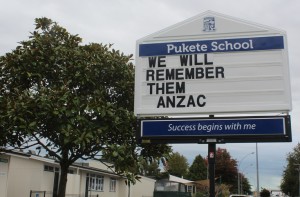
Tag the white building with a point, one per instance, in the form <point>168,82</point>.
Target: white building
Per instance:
<point>24,174</point>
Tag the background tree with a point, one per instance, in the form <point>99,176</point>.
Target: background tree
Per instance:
<point>289,184</point>
<point>245,185</point>
<point>177,165</point>
<point>198,169</point>
<point>265,193</point>
<point>73,100</point>
<point>222,190</point>
<point>149,169</point>
<point>226,169</point>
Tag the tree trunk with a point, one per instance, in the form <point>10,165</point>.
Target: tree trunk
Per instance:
<point>63,179</point>
<point>64,167</point>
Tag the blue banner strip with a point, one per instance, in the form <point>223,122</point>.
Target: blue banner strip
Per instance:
<point>210,46</point>
<point>213,127</point>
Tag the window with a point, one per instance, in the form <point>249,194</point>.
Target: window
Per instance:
<point>95,182</point>
<point>50,168</point>
<point>113,184</point>
<point>190,189</point>
<point>3,160</point>
<point>70,171</point>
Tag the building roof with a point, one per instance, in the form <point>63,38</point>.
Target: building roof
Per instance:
<point>51,160</point>
<point>179,180</point>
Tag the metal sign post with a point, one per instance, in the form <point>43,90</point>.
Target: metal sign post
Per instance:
<point>211,167</point>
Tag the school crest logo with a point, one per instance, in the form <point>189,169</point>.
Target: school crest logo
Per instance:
<point>209,24</point>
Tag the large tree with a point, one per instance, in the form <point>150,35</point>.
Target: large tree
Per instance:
<point>290,179</point>
<point>177,165</point>
<point>198,169</point>
<point>226,169</point>
<point>70,99</point>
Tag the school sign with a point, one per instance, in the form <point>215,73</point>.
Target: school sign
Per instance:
<point>212,64</point>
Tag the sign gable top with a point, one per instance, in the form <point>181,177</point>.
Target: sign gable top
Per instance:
<point>221,26</point>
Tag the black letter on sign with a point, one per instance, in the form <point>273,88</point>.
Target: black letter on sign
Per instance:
<point>152,61</point>
<point>183,60</point>
<point>199,102</point>
<point>191,101</point>
<point>161,59</point>
<point>205,60</point>
<point>161,102</point>
<point>179,104</point>
<point>150,75</point>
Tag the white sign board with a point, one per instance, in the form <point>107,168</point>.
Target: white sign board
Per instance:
<point>212,64</point>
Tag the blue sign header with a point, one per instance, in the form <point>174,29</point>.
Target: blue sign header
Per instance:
<point>213,127</point>
<point>210,46</point>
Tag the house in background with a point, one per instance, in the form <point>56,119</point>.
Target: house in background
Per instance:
<point>190,185</point>
<point>27,174</point>
<point>174,186</point>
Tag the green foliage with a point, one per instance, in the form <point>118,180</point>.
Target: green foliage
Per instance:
<point>265,193</point>
<point>289,184</point>
<point>245,185</point>
<point>149,169</point>
<point>202,194</point>
<point>73,100</point>
<point>177,165</point>
<point>222,190</point>
<point>198,169</point>
<point>226,167</point>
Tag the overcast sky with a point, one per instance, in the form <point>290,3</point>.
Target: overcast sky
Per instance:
<point>122,22</point>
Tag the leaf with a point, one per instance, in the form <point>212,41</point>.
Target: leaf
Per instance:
<point>115,154</point>
<point>32,124</point>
